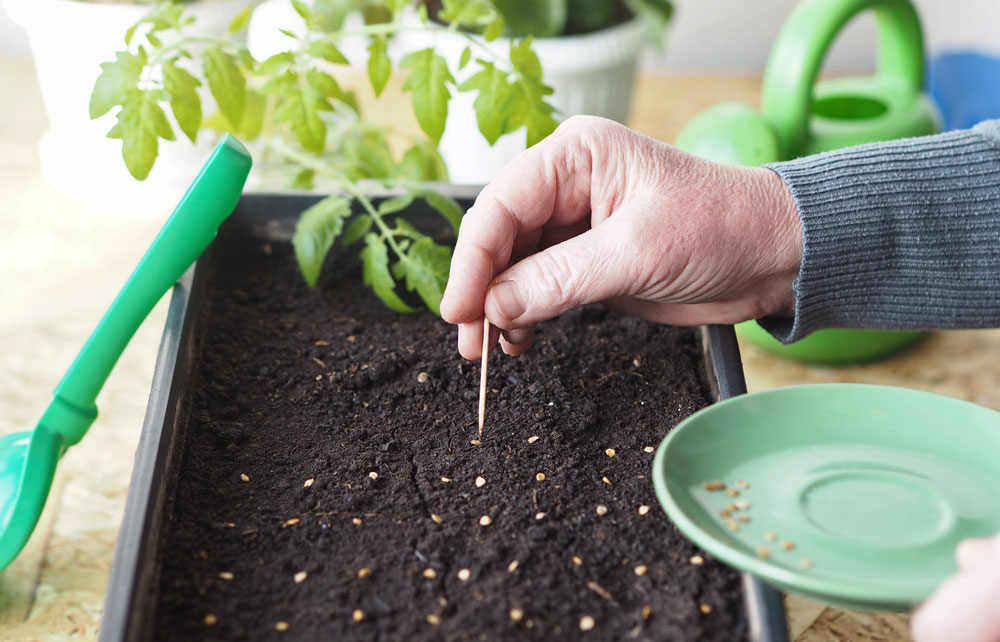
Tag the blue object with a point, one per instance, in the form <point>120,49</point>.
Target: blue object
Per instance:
<point>966,87</point>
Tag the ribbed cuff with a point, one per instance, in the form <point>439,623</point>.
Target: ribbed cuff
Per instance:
<point>900,235</point>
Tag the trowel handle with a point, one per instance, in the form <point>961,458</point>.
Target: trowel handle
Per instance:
<point>209,200</point>
<point>802,44</point>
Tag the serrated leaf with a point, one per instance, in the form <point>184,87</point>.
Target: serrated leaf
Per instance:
<point>302,179</point>
<point>368,155</point>
<point>226,81</point>
<point>356,229</point>
<point>423,162</point>
<point>300,112</point>
<point>141,122</point>
<point>395,204</point>
<point>379,65</point>
<point>116,79</point>
<point>495,29</point>
<point>428,80</point>
<point>324,83</point>
<point>327,51</point>
<point>446,206</point>
<point>240,20</point>
<point>491,103</point>
<point>375,269</point>
<point>181,87</point>
<point>464,60</point>
<point>426,271</point>
<point>315,233</point>
<point>524,59</point>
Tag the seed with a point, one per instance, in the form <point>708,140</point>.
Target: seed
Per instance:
<point>300,577</point>
<point>373,475</point>
<point>512,566</point>
<point>714,485</point>
<point>640,570</point>
<point>742,484</point>
<point>356,521</point>
<point>771,537</point>
<point>210,619</point>
<point>245,477</point>
<point>643,509</point>
<point>464,574</point>
<point>610,452</point>
<point>358,615</point>
<point>789,545</point>
<point>587,623</point>
<point>290,522</point>
<point>281,626</point>
<point>322,343</point>
<point>475,442</point>
<point>422,377</point>
<point>446,480</point>
<point>532,439</point>
<point>437,518</point>
<point>733,507</point>
<point>697,560</point>
<point>733,526</point>
<point>646,612</point>
<point>742,504</point>
<point>744,518</point>
<point>725,513</point>
<point>540,476</point>
<point>434,619</point>
<point>602,510</point>
<point>230,525</point>
<point>309,482</point>
<point>577,560</point>
<point>649,449</point>
<point>480,482</point>
<point>485,520</point>
<point>517,614</point>
<point>364,572</point>
<point>732,492</point>
<point>226,575</point>
<point>705,608</point>
<point>430,573</point>
<point>763,552</point>
<point>806,562</point>
<point>606,480</point>
<point>539,515</point>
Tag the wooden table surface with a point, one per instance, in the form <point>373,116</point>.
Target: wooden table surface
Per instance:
<point>61,264</point>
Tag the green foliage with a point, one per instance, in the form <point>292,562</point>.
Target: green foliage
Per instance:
<point>550,18</point>
<point>292,106</point>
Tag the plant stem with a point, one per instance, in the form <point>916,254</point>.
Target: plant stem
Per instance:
<point>183,41</point>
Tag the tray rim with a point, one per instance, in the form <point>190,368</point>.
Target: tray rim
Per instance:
<point>123,610</point>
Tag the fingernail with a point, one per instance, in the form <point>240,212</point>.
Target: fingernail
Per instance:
<point>517,335</point>
<point>507,298</point>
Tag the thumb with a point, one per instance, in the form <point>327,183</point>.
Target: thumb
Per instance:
<point>591,267</point>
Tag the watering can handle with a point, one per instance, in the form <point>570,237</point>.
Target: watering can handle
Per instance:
<point>803,42</point>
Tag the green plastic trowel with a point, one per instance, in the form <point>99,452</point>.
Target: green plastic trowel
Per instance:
<point>28,459</point>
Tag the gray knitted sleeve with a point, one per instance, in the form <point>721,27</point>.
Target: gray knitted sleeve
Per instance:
<point>900,235</point>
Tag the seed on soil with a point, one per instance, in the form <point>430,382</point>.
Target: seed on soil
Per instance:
<point>437,518</point>
<point>226,575</point>
<point>587,623</point>
<point>281,626</point>
<point>290,522</point>
<point>705,608</point>
<point>744,518</point>
<point>540,476</point>
<point>321,343</point>
<point>732,492</point>
<point>646,612</point>
<point>789,545</point>
<point>539,515</point>
<point>532,439</point>
<point>517,614</point>
<point>763,552</point>
<point>446,480</point>
<point>475,442</point>
<point>485,520</point>
<point>211,619</point>
<point>480,482</point>
<point>643,509</point>
<point>430,573</point>
<point>577,560</point>
<point>245,477</point>
<point>610,452</point>
<point>697,560</point>
<point>356,521</point>
<point>771,537</point>
<point>742,484</point>
<point>309,482</point>
<point>733,526</point>
<point>434,619</point>
<point>230,525</point>
<point>464,574</point>
<point>714,485</point>
<point>641,569</point>
<point>512,566</point>
<point>806,562</point>
<point>300,577</point>
<point>358,615</point>
<point>373,475</point>
<point>422,377</point>
<point>601,510</point>
<point>649,449</point>
<point>364,572</point>
<point>606,480</point>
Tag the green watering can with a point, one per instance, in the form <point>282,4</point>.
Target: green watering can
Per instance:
<point>800,117</point>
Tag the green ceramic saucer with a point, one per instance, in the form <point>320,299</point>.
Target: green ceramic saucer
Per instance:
<point>872,487</point>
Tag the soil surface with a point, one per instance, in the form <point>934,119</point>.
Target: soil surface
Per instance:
<point>328,490</point>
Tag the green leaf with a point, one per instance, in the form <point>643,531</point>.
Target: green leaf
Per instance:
<point>426,271</point>
<point>375,269</point>
<point>226,81</point>
<point>428,80</point>
<point>492,102</point>
<point>315,233</point>
<point>277,62</point>
<point>329,15</point>
<point>302,9</point>
<point>469,13</point>
<point>327,51</point>
<point>396,5</point>
<point>464,60</point>
<point>324,83</point>
<point>287,32</point>
<point>495,29</point>
<point>423,162</point>
<point>422,13</point>
<point>524,59</point>
<point>356,229</point>
<point>115,81</point>
<point>285,83</point>
<point>540,125</point>
<point>246,58</point>
<point>539,18</point>
<point>181,87</point>
<point>300,112</point>
<point>368,155</point>
<point>379,65</point>
<point>395,204</point>
<point>302,179</point>
<point>241,19</point>
<point>446,206</point>
<point>141,122</point>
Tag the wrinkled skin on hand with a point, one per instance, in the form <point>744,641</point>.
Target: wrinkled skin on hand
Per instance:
<point>599,213</point>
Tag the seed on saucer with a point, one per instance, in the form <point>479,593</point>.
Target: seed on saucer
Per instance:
<point>587,623</point>
<point>771,537</point>
<point>485,520</point>
<point>697,560</point>
<point>464,574</point>
<point>610,452</point>
<point>358,615</point>
<point>742,484</point>
<point>364,572</point>
<point>806,562</point>
<point>640,570</point>
<point>742,504</point>
<point>300,577</point>
<point>714,485</point>
<point>601,510</point>
<point>732,492</point>
<point>725,513</point>
<point>643,509</point>
<point>733,507</point>
<point>281,626</point>
<point>733,526</point>
<point>211,619</point>
<point>744,518</point>
<point>789,545</point>
<point>532,439</point>
<point>705,608</point>
<point>763,552</point>
<point>540,476</point>
<point>517,614</point>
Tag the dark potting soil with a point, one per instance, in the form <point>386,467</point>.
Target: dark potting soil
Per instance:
<point>327,488</point>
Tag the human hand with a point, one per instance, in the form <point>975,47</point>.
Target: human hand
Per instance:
<point>597,212</point>
<point>966,607</point>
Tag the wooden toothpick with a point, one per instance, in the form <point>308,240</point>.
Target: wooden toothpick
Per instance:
<point>482,375</point>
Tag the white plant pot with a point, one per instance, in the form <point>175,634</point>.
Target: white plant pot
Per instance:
<point>590,74</point>
<point>69,40</point>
